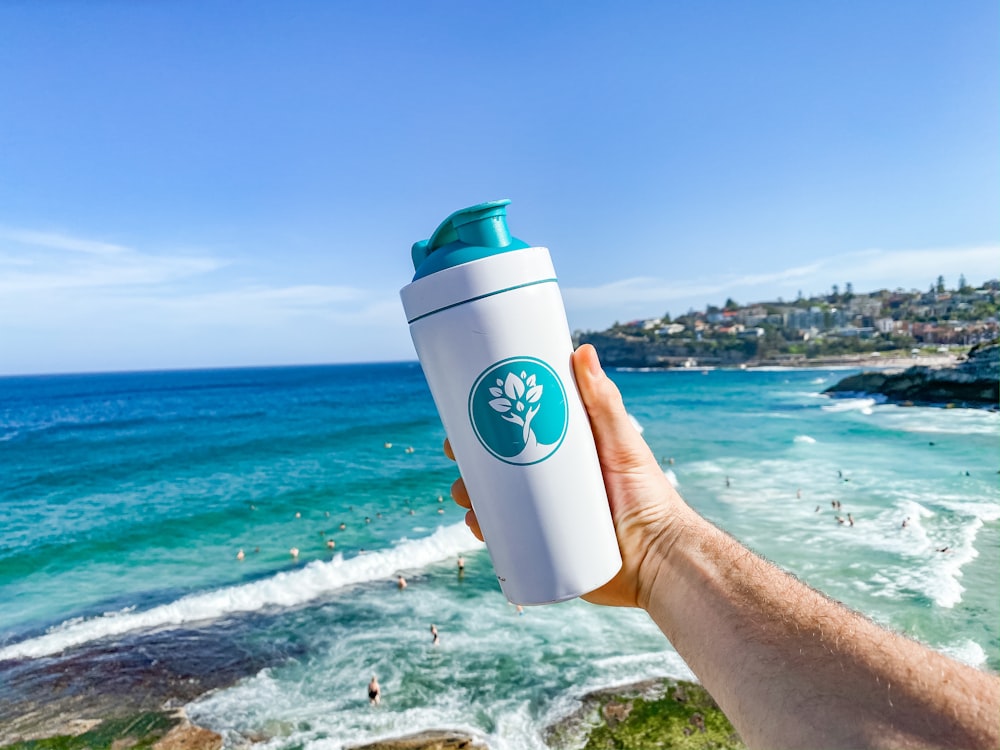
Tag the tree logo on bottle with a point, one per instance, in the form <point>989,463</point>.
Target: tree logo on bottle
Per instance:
<point>518,410</point>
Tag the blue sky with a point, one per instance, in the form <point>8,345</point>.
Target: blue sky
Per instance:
<point>197,184</point>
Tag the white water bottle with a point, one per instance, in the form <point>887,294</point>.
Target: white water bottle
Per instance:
<point>489,327</point>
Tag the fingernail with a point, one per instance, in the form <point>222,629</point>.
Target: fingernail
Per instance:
<point>594,365</point>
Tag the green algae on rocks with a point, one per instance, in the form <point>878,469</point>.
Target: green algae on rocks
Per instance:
<point>139,731</point>
<point>661,713</point>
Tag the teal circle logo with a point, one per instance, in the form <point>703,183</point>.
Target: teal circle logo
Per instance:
<point>518,410</point>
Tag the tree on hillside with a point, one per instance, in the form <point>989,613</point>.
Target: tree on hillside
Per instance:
<point>731,304</point>
<point>940,285</point>
<point>963,286</point>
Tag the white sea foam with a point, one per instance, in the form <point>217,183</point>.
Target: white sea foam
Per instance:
<point>936,421</point>
<point>804,439</point>
<point>285,589</point>
<point>631,668</point>
<point>986,512</point>
<point>897,563</point>
<point>850,404</point>
<point>967,652</point>
<point>635,423</point>
<point>672,478</point>
<point>944,548</point>
<point>545,659</point>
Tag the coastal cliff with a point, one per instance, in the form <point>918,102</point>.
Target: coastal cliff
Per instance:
<point>972,383</point>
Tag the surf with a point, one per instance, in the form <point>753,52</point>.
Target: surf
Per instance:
<point>285,590</point>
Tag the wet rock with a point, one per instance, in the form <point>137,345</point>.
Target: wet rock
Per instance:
<point>615,712</point>
<point>187,736</point>
<point>972,383</point>
<point>429,740</point>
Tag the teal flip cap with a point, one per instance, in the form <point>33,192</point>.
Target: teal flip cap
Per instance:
<point>467,235</point>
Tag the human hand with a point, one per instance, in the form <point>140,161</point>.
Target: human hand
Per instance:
<point>648,513</point>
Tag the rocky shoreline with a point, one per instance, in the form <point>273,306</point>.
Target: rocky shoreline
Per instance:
<point>663,712</point>
<point>970,383</point>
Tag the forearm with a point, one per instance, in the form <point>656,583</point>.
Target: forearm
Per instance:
<point>794,669</point>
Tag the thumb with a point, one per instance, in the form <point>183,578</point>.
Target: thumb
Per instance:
<point>619,444</point>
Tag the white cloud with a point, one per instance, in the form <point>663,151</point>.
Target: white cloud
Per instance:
<point>71,304</point>
<point>57,241</point>
<point>597,307</point>
<point>33,262</point>
<point>658,291</point>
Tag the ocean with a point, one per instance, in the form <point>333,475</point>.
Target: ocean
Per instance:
<point>126,498</point>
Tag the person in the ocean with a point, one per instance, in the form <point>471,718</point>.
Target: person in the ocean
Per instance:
<point>401,583</point>
<point>788,665</point>
<point>435,638</point>
<point>374,692</point>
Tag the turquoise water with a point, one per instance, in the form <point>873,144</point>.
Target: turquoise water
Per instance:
<point>125,498</point>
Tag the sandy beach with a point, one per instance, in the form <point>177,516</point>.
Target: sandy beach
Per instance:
<point>866,361</point>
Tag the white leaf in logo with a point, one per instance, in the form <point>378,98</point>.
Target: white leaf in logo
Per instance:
<point>500,404</point>
<point>513,386</point>
<point>530,382</point>
<point>520,406</point>
<point>534,393</point>
<point>496,392</point>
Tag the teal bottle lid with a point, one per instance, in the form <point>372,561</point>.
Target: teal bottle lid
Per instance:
<point>467,235</point>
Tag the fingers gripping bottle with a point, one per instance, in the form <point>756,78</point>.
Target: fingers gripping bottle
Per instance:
<point>489,327</point>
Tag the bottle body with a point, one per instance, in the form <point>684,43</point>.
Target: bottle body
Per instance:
<point>495,348</point>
